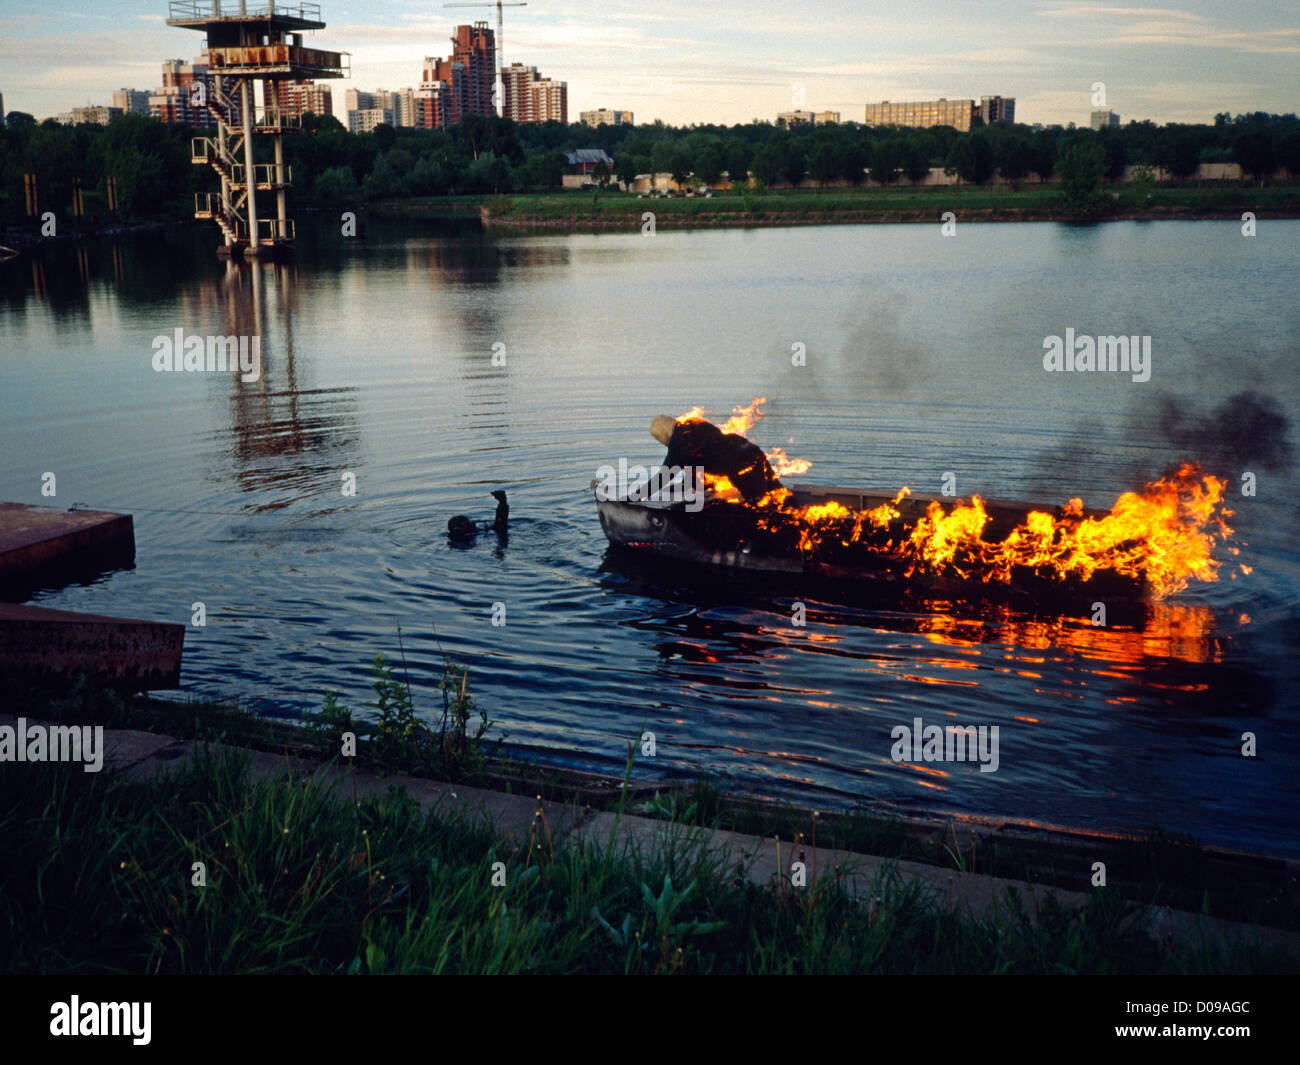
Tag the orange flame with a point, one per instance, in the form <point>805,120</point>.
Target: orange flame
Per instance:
<point>784,466</point>
<point>742,420</point>
<point>1163,535</point>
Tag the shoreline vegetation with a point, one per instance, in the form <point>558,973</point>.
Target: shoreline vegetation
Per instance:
<point>614,210</point>
<point>87,179</point>
<point>307,880</point>
<point>611,210</point>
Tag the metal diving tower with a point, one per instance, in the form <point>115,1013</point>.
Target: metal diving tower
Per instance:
<point>247,42</point>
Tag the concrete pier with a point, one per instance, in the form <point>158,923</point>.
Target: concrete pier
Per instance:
<point>39,645</point>
<point>40,544</point>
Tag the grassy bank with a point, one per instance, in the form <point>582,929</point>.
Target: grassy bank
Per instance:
<point>449,740</point>
<point>99,877</point>
<point>1033,202</point>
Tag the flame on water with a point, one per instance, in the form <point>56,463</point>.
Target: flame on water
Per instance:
<point>1163,534</point>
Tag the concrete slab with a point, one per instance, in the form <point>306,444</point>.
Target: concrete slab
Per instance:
<point>38,644</point>
<point>125,747</point>
<point>37,543</point>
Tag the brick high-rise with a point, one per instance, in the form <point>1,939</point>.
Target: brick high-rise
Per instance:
<point>296,98</point>
<point>460,85</point>
<point>444,93</point>
<point>531,98</point>
<point>475,47</point>
<point>176,101</point>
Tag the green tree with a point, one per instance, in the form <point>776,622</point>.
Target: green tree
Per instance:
<point>1141,185</point>
<point>854,161</point>
<point>661,156</point>
<point>401,161</point>
<point>381,182</point>
<point>916,158</point>
<point>1015,158</point>
<point>823,163</point>
<point>1288,152</point>
<point>794,164</point>
<point>736,160</point>
<point>488,173</point>
<point>336,186</point>
<point>886,158</point>
<point>425,179</point>
<point>1179,151</point>
<point>543,169</point>
<point>1256,154</point>
<point>766,165</point>
<point>601,173</point>
<point>1112,146</point>
<point>1081,167</point>
<point>680,167</point>
<point>708,164</point>
<point>972,159</point>
<point>1042,154</point>
<point>626,168</point>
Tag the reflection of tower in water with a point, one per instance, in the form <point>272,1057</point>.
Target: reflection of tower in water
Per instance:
<point>288,442</point>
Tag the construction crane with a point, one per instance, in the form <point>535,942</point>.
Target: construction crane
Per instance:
<point>501,70</point>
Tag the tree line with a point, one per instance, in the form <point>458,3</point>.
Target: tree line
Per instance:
<point>151,161</point>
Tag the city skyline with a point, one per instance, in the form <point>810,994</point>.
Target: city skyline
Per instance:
<point>1180,63</point>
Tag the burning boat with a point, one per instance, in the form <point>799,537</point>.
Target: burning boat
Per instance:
<point>1151,543</point>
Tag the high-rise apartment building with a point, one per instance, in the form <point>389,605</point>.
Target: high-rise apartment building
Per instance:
<point>1104,120</point>
<point>603,116</point>
<point>462,84</point>
<point>960,114</point>
<point>365,119</point>
<point>997,109</point>
<point>94,116</point>
<point>402,102</point>
<point>807,118</point>
<point>432,105</point>
<point>941,112</point>
<point>177,100</point>
<point>444,93</point>
<point>475,48</point>
<point>297,98</point>
<point>532,98</point>
<point>131,101</point>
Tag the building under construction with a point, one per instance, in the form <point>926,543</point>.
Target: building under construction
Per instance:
<point>248,42</point>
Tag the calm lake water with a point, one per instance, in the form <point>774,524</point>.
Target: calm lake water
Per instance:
<point>924,356</point>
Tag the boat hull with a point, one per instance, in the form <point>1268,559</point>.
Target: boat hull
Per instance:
<point>734,537</point>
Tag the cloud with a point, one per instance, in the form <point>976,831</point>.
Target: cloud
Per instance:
<point>1104,11</point>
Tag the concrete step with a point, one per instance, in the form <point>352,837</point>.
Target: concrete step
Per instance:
<point>40,645</point>
<point>46,544</point>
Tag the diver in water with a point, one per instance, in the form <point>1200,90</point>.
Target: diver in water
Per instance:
<point>463,530</point>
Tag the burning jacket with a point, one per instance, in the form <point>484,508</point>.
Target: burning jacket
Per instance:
<point>701,443</point>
